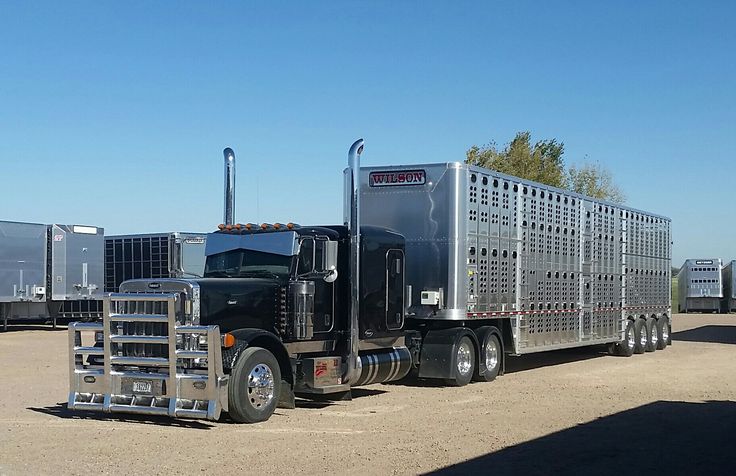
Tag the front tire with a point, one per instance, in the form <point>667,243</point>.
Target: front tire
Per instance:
<point>255,386</point>
<point>463,363</point>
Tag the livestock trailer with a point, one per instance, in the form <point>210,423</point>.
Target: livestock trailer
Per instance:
<point>153,255</point>
<point>729,287</point>
<point>48,271</point>
<point>700,285</point>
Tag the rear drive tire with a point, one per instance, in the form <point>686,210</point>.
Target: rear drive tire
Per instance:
<point>640,336</point>
<point>255,386</point>
<point>490,353</point>
<point>652,335</point>
<point>626,347</point>
<point>463,362</point>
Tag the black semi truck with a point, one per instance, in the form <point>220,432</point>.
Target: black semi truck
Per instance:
<point>439,270</point>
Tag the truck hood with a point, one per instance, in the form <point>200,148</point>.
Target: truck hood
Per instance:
<point>231,303</point>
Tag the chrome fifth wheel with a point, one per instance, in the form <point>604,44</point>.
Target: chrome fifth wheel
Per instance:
<point>463,364</point>
<point>255,386</point>
<point>640,336</point>
<point>490,355</point>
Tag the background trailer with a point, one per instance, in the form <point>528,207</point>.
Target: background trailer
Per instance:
<point>153,255</point>
<point>729,288</point>
<point>49,271</point>
<point>700,285</point>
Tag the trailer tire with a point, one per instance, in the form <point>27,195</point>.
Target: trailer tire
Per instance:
<point>463,362</point>
<point>652,335</point>
<point>660,330</point>
<point>490,352</point>
<point>667,330</point>
<point>626,347</point>
<point>640,336</point>
<point>255,386</point>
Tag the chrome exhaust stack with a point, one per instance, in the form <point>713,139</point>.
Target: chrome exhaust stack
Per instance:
<point>351,215</point>
<point>229,218</point>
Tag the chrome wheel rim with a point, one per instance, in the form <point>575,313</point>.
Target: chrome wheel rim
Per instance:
<point>260,386</point>
<point>643,336</point>
<point>631,340</point>
<point>665,331</point>
<point>655,335</point>
<point>491,354</point>
<point>464,358</point>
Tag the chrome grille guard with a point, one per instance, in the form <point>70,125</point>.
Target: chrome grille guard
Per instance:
<point>178,381</point>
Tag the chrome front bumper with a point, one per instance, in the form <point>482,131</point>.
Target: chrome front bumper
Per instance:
<point>184,382</point>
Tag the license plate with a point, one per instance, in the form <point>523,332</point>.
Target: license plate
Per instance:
<point>142,387</point>
<point>136,386</point>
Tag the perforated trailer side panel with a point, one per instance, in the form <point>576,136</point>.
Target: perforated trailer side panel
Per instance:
<point>564,268</point>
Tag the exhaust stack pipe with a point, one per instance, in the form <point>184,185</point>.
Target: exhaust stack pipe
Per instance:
<point>229,218</point>
<point>351,214</point>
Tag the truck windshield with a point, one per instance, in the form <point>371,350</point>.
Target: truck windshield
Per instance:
<point>247,263</point>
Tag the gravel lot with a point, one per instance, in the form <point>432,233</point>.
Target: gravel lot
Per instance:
<point>673,411</point>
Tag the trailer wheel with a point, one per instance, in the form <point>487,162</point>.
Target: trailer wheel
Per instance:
<point>463,362</point>
<point>255,386</point>
<point>666,330</point>
<point>490,354</point>
<point>660,325</point>
<point>640,336</point>
<point>626,347</point>
<point>652,335</point>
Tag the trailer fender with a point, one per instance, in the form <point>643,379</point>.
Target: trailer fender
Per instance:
<point>249,337</point>
<point>438,351</point>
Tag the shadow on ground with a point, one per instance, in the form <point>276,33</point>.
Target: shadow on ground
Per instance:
<point>711,334</point>
<point>39,326</point>
<point>61,411</point>
<point>658,438</point>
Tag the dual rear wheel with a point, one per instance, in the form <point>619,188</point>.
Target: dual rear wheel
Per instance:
<point>465,365</point>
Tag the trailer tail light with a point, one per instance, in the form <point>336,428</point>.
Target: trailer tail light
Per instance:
<point>228,340</point>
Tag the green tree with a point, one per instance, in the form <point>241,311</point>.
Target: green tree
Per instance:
<point>594,181</point>
<point>541,162</point>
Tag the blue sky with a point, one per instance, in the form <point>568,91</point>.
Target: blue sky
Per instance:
<point>116,113</point>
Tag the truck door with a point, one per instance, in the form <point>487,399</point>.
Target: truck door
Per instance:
<point>395,289</point>
<point>310,257</point>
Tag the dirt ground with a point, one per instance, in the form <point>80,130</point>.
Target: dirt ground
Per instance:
<point>673,411</point>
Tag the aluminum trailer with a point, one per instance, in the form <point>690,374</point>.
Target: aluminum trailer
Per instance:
<point>438,269</point>
<point>700,285</point>
<point>46,271</point>
<point>153,255</point>
<point>729,287</point>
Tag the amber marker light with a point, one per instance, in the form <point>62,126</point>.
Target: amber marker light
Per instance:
<point>264,226</point>
<point>228,227</point>
<point>238,226</point>
<point>290,226</point>
<point>248,226</point>
<point>220,227</point>
<point>277,226</point>
<point>228,340</point>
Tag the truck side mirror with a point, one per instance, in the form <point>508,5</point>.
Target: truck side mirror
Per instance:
<point>329,264</point>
